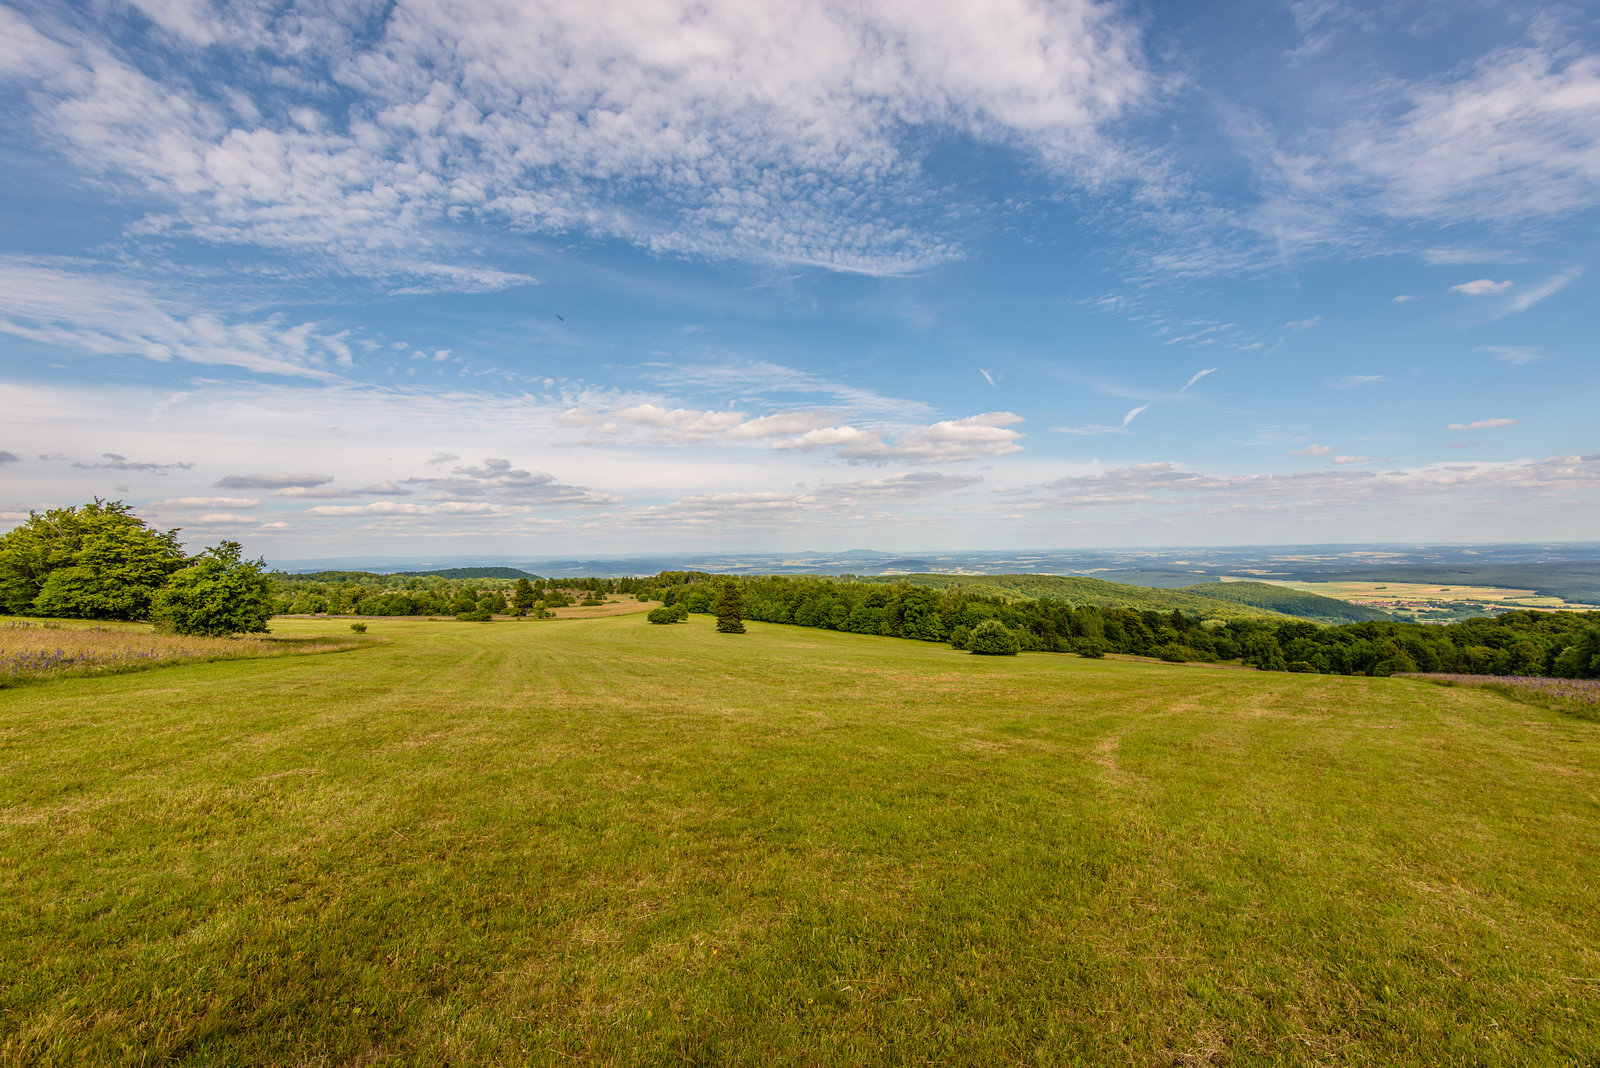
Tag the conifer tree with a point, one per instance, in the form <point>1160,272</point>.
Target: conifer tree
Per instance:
<point>522,599</point>
<point>730,609</point>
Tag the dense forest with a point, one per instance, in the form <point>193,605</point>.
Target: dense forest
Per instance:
<point>1237,599</point>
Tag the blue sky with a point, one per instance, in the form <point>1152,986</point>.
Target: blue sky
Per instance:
<point>545,276</point>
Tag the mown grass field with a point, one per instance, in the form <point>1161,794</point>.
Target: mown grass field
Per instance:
<point>599,841</point>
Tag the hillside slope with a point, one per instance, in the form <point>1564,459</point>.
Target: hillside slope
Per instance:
<point>1290,602</point>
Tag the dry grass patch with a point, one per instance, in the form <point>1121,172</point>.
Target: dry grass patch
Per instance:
<point>31,650</point>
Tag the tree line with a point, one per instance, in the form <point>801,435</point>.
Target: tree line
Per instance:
<point>477,597</point>
<point>1557,644</point>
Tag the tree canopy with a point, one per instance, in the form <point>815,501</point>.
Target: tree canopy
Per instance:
<point>98,561</point>
<point>218,594</point>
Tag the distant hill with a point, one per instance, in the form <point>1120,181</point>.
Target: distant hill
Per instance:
<point>471,573</point>
<point>1290,602</point>
<point>330,576</point>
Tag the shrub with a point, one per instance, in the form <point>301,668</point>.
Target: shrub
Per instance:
<point>991,638</point>
<point>359,628</point>
<point>218,594</point>
<point>667,614</point>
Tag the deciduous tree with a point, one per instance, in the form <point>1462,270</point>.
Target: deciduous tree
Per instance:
<point>219,593</point>
<point>98,561</point>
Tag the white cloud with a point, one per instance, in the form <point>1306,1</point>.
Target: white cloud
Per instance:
<point>272,480</point>
<point>1515,136</point>
<point>771,132</point>
<point>206,502</point>
<point>1197,376</point>
<point>1403,298</point>
<point>1304,324</point>
<point>946,441</point>
<point>839,501</point>
<point>1515,355</point>
<point>1354,381</point>
<point>1482,424</point>
<point>1097,428</point>
<point>225,519</point>
<point>1482,287</point>
<point>405,508</point>
<point>1346,491</point>
<point>943,441</point>
<point>102,315</point>
<point>117,462</point>
<point>744,380</point>
<point>1548,288</point>
<point>1314,450</point>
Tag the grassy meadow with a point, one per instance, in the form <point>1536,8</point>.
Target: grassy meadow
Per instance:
<point>600,841</point>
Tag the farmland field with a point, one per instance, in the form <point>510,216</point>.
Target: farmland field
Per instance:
<point>1401,596</point>
<point>600,841</point>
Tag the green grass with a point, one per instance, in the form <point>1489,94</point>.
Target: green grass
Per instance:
<point>600,841</point>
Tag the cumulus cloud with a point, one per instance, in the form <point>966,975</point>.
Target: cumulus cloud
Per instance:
<point>1482,424</point>
<point>948,440</point>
